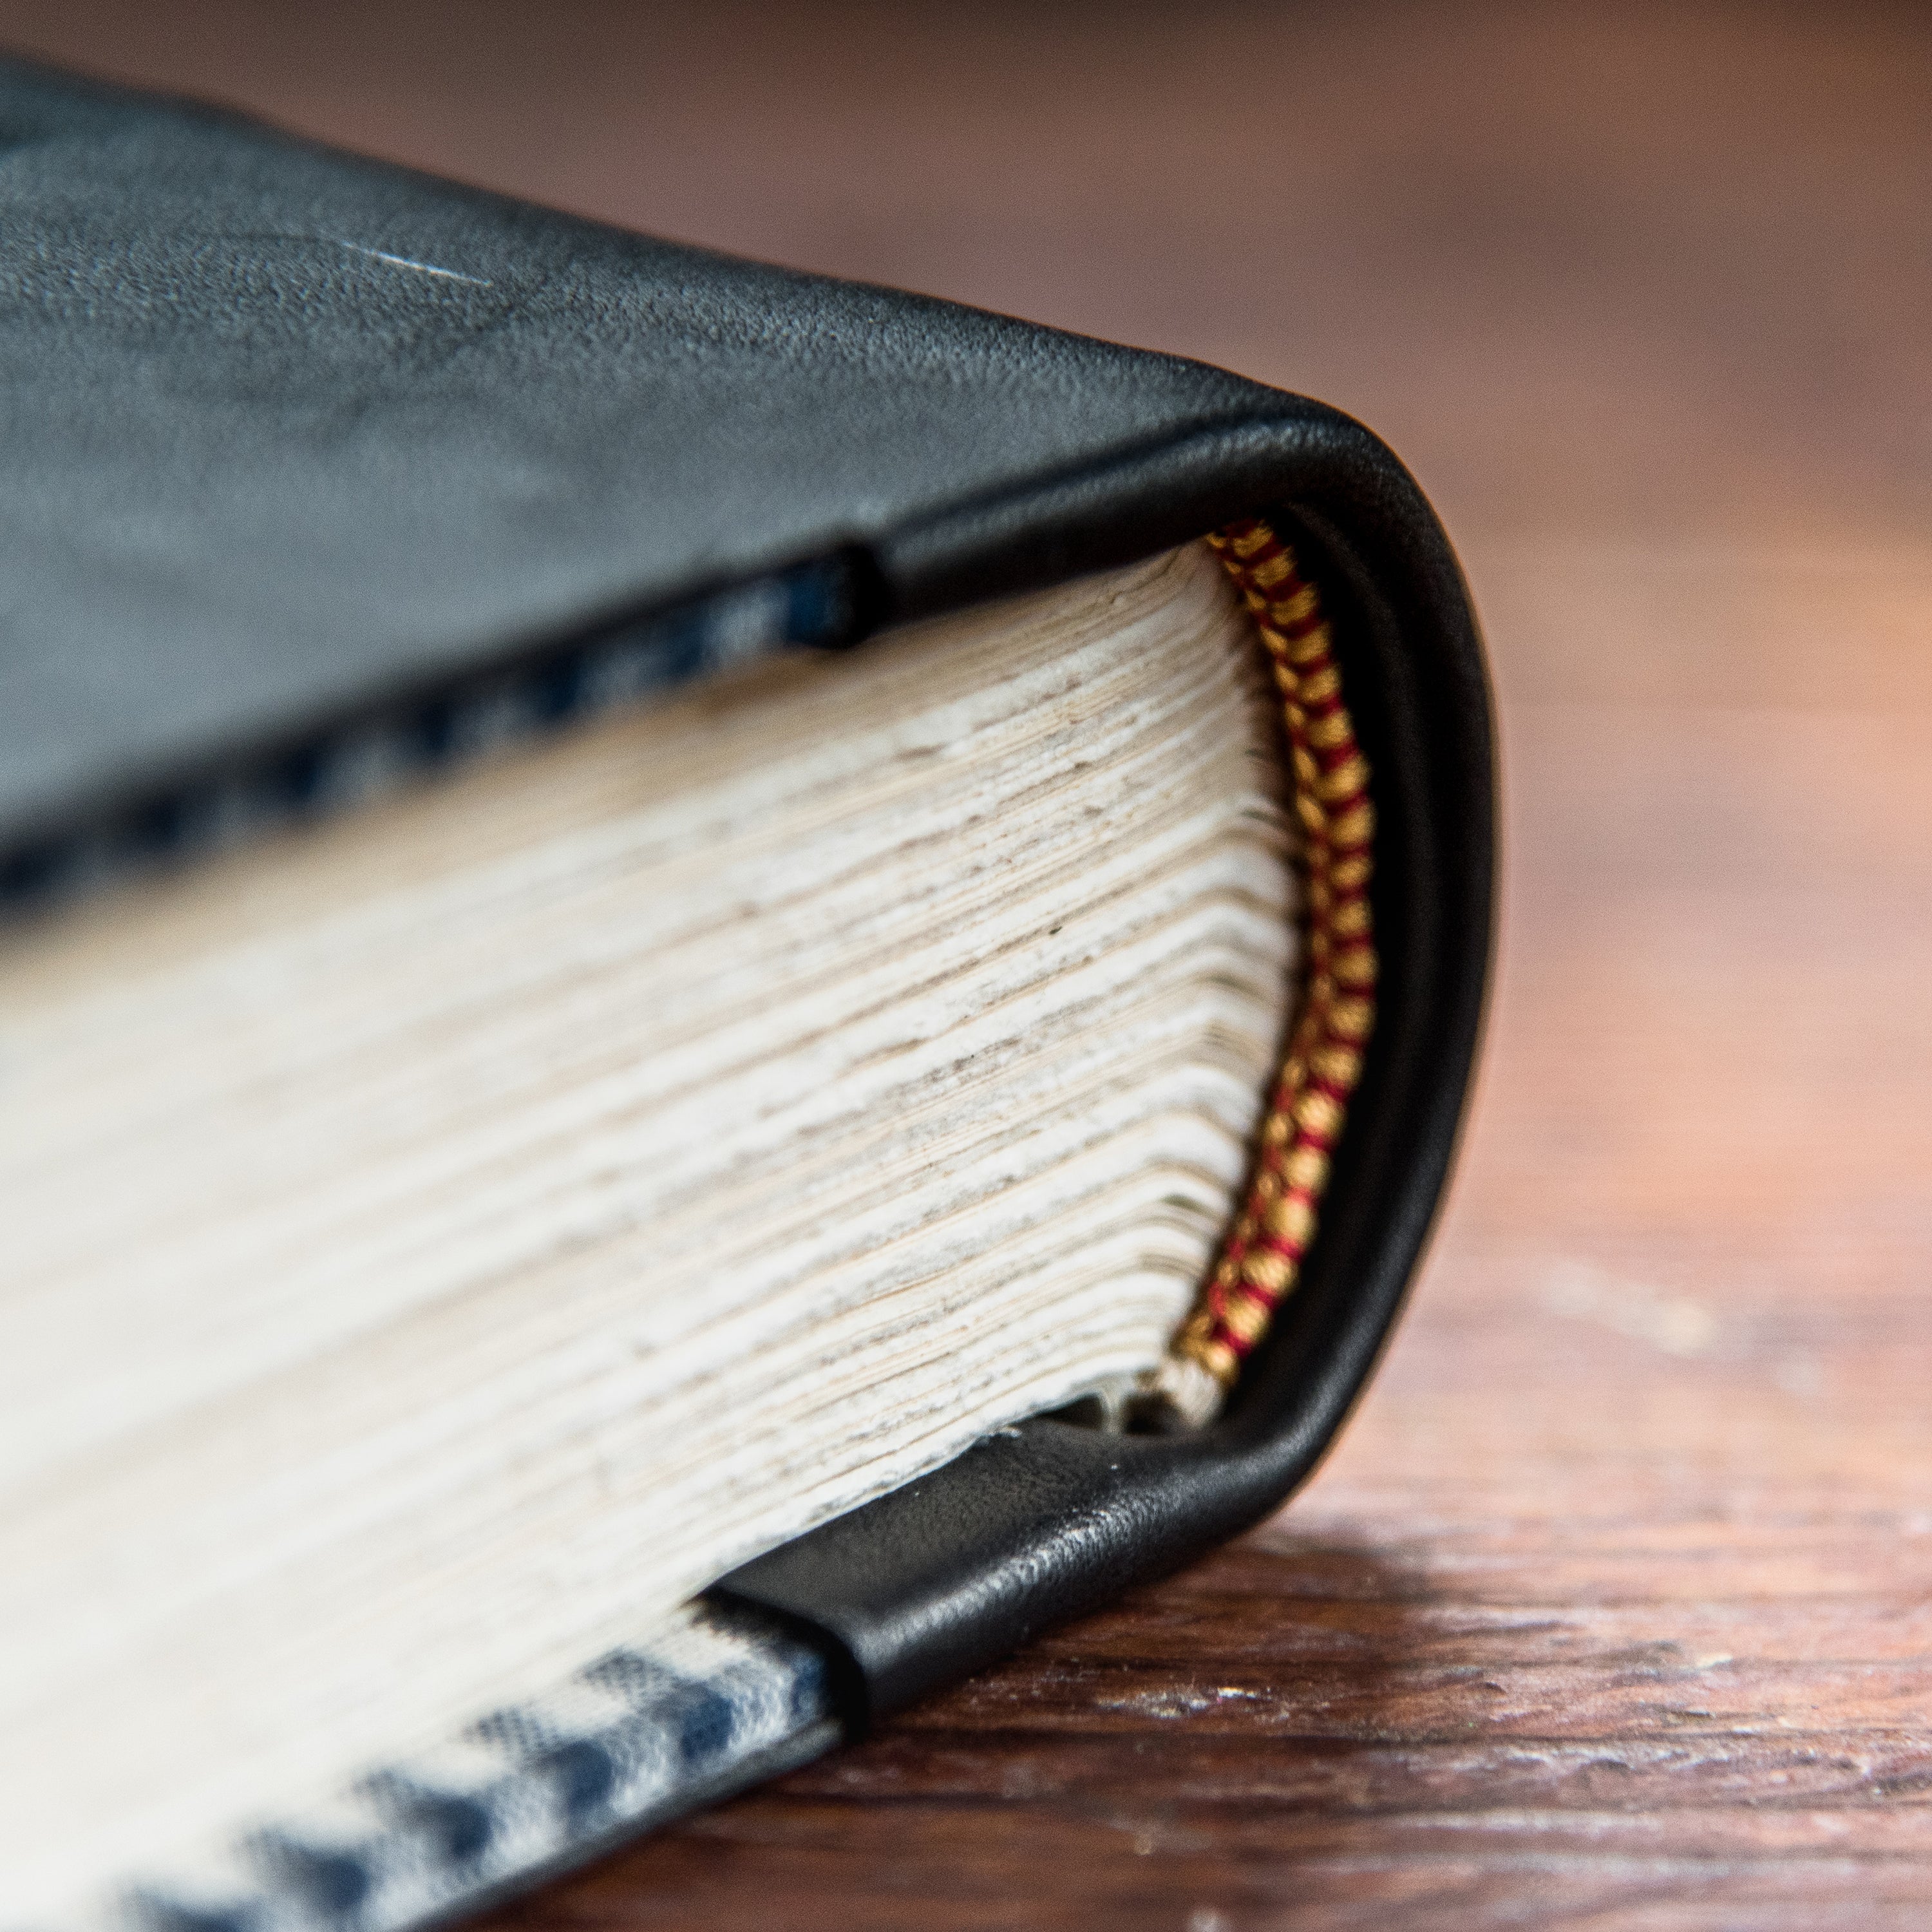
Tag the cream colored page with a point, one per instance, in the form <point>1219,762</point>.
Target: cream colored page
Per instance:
<point>438,1245</point>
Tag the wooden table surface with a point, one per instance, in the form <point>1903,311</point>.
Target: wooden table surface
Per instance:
<point>1614,1607</point>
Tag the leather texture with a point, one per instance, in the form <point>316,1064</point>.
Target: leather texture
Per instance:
<point>291,435</point>
<point>288,431</point>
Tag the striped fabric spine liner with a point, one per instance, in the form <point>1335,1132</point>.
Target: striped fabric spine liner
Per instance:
<point>722,1700</point>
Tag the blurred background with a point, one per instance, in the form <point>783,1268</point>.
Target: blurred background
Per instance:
<point>1615,1605</point>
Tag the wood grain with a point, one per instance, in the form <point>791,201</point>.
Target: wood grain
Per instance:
<point>1614,1607</point>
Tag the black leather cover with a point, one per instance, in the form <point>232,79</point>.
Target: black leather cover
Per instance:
<point>291,437</point>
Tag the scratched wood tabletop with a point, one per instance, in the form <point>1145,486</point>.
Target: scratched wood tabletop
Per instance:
<point>1614,1607</point>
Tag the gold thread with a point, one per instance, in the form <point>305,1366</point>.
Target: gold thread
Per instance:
<point>1260,1258</point>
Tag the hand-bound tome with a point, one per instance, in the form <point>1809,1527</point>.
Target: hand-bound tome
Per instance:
<point>715,988</point>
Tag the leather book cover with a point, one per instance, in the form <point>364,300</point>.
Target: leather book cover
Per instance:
<point>318,473</point>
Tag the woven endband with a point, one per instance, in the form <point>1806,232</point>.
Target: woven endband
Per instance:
<point>1335,1012</point>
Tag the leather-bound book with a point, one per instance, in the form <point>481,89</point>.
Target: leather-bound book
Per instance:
<point>715,988</point>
